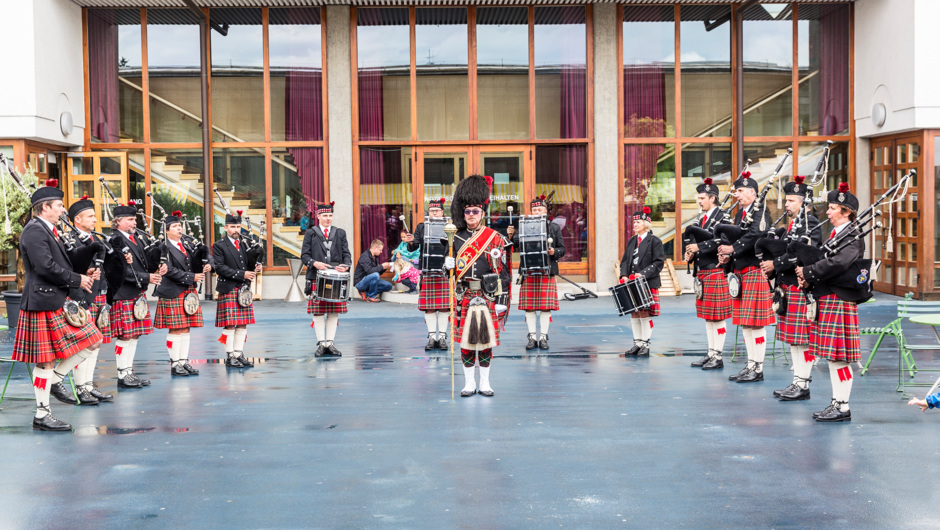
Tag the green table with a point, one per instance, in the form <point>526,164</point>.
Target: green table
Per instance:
<point>932,320</point>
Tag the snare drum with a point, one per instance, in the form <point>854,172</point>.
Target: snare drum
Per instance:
<point>433,246</point>
<point>332,286</point>
<point>533,245</point>
<point>633,295</point>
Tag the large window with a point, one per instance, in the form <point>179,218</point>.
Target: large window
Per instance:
<point>114,75</point>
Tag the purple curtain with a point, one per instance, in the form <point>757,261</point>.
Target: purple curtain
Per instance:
<point>644,116</point>
<point>304,115</point>
<point>371,161</point>
<point>834,71</point>
<point>103,78</point>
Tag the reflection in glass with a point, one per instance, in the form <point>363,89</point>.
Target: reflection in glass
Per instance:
<point>502,73</point>
<point>560,72</point>
<point>699,162</point>
<point>176,182</point>
<point>442,73</point>
<point>385,193</point>
<point>768,70</point>
<point>765,157</point>
<point>507,170</point>
<point>561,173</point>
<point>650,180</point>
<point>649,72</point>
<point>442,172</point>
<point>384,54</point>
<point>114,75</point>
<point>706,71</point>
<point>838,171</point>
<point>297,185</point>
<point>237,76</point>
<point>295,57</point>
<point>824,69</point>
<point>173,69</point>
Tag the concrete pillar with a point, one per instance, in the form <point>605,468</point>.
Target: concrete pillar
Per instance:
<point>607,195</point>
<point>339,92</point>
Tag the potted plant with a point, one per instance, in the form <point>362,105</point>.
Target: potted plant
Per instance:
<point>13,215</point>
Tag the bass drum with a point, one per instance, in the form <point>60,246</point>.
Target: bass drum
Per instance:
<point>244,296</point>
<point>191,303</point>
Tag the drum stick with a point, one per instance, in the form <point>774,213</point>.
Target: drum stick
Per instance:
<point>509,208</point>
<point>404,225</point>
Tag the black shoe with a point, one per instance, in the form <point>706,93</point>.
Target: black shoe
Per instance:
<point>739,374</point>
<point>826,410</point>
<point>752,376</point>
<point>178,370</point>
<point>49,423</point>
<point>61,393</point>
<point>331,350</point>
<point>796,394</point>
<point>320,351</point>
<point>487,393</point>
<point>246,362</point>
<point>189,368</point>
<point>778,393</point>
<point>102,397</point>
<point>142,381</point>
<point>467,393</point>
<point>714,364</point>
<point>85,398</point>
<point>701,362</point>
<point>543,342</point>
<point>233,362</point>
<point>128,381</point>
<point>644,351</point>
<point>632,351</point>
<point>442,344</point>
<point>532,344</point>
<point>432,343</point>
<point>834,415</point>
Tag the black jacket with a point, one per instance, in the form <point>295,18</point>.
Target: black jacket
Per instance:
<point>828,275</point>
<point>558,243</point>
<point>230,265</point>
<point>315,249</point>
<point>49,274</point>
<point>784,264</point>
<point>707,255</point>
<point>647,260</point>
<point>366,265</point>
<point>138,271</point>
<point>82,258</point>
<point>485,264</point>
<point>179,276</point>
<point>744,255</point>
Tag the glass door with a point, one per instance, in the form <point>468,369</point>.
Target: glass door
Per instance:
<point>439,171</point>
<point>83,171</point>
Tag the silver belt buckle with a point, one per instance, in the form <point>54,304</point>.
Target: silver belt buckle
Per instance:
<point>475,285</point>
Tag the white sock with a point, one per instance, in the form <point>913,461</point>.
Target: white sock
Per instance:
<point>485,379</point>
<point>87,368</point>
<point>470,384</point>
<point>42,385</point>
<point>637,330</point>
<point>173,345</point>
<point>240,335</point>
<point>530,321</point>
<point>184,346</point>
<point>840,374</point>
<point>130,352</point>
<point>802,364</point>
<point>545,318</point>
<point>710,337</point>
<point>760,347</point>
<point>332,322</point>
<point>748,346</point>
<point>120,356</point>
<point>78,373</point>
<point>319,322</point>
<point>443,324</point>
<point>63,367</point>
<point>431,320</point>
<point>721,330</point>
<point>229,335</point>
<point>646,326</point>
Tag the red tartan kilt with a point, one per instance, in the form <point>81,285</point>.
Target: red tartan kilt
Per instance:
<point>229,313</point>
<point>321,307</point>
<point>171,315</point>
<point>835,334</point>
<point>755,305</point>
<point>44,336</point>
<point>123,325</point>
<point>95,309</point>
<point>793,327</point>
<point>716,302</point>
<point>538,293</point>
<point>653,310</point>
<point>465,304</point>
<point>434,294</point>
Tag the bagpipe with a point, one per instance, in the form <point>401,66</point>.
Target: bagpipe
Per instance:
<point>762,196</point>
<point>252,254</point>
<point>115,269</point>
<point>201,252</point>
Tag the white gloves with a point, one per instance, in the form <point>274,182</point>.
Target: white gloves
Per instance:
<point>449,263</point>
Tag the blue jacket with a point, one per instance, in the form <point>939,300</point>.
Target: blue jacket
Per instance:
<point>933,400</point>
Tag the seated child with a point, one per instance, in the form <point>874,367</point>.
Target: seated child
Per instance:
<point>407,274</point>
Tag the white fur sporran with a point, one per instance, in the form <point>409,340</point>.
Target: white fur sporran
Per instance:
<point>140,308</point>
<point>734,285</point>
<point>244,296</point>
<point>75,315</point>
<point>191,303</point>
<point>104,317</point>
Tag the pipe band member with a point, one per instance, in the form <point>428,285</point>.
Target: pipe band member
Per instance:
<point>752,308</point>
<point>235,270</point>
<point>434,295</point>
<point>180,280</point>
<point>793,327</point>
<point>140,273</point>
<point>539,291</point>
<point>714,304</point>
<point>325,247</point>
<point>835,334</point>
<point>479,273</point>
<point>43,335</point>
<point>643,256</point>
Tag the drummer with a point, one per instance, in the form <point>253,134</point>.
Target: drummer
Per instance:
<point>539,288</point>
<point>434,297</point>
<point>643,257</point>
<point>325,247</point>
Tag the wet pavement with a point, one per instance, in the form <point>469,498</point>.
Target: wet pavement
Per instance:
<point>578,436</point>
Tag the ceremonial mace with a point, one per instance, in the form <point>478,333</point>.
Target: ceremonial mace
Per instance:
<point>450,229</point>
